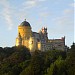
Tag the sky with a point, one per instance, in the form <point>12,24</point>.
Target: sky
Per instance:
<point>57,15</point>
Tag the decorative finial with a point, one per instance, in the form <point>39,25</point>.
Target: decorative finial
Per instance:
<point>25,19</point>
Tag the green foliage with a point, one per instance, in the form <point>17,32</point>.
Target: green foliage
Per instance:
<point>5,52</point>
<point>37,63</point>
<point>63,66</point>
<point>19,61</point>
<point>24,64</point>
<point>70,60</point>
<point>27,71</point>
<point>36,66</point>
<point>10,65</point>
<point>57,68</point>
<point>53,55</point>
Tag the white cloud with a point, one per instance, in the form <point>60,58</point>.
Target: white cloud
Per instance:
<point>68,11</point>
<point>32,3</point>
<point>6,12</point>
<point>22,15</point>
<point>29,4</point>
<point>42,0</point>
<point>66,18</point>
<point>72,4</point>
<point>44,14</point>
<point>65,22</point>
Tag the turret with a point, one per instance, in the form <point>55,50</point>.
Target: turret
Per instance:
<point>44,33</point>
<point>63,39</point>
<point>18,40</point>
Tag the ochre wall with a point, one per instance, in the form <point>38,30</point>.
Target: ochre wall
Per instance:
<point>25,31</point>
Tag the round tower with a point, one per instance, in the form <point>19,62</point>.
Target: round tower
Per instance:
<point>32,44</point>
<point>25,30</point>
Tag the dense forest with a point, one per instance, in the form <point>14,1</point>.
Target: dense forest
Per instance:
<point>19,61</point>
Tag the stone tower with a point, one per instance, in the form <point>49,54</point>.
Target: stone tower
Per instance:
<point>25,32</point>
<point>44,34</point>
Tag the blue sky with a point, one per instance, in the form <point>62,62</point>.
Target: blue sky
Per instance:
<point>56,15</point>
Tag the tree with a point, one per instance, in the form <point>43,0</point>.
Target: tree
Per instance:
<point>27,71</point>
<point>51,56</point>
<point>70,60</point>
<point>21,54</point>
<point>10,65</point>
<point>57,68</point>
<point>36,66</point>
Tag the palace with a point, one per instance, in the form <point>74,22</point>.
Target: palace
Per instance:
<point>37,40</point>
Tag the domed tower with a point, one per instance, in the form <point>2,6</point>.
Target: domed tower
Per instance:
<point>25,32</point>
<point>25,29</point>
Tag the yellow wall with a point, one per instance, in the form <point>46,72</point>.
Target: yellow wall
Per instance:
<point>26,43</point>
<point>18,42</point>
<point>32,44</point>
<point>25,31</point>
<point>39,45</point>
